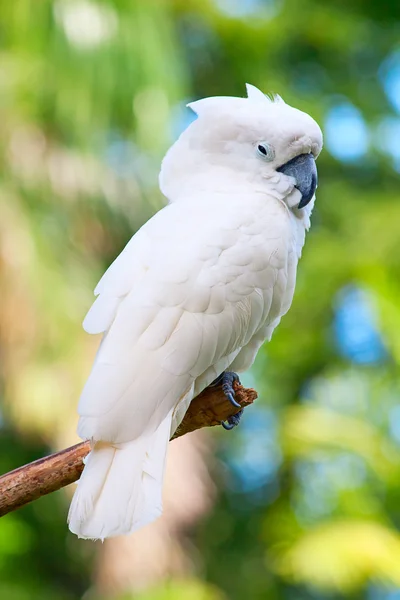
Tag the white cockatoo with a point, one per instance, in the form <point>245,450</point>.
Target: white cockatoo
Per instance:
<point>194,294</point>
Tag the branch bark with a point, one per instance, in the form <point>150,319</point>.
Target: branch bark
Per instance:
<point>53,472</point>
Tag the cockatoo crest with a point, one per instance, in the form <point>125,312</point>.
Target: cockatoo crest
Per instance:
<point>254,96</point>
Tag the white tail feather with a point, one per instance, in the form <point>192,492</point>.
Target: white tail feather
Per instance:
<point>120,489</point>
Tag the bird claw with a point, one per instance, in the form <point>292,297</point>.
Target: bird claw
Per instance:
<point>232,421</point>
<point>228,426</point>
<point>232,399</point>
<point>228,379</point>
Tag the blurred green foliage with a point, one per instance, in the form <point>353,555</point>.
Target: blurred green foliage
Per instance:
<point>91,95</point>
<point>188,589</point>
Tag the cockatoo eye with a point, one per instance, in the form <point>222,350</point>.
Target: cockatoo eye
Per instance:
<point>265,151</point>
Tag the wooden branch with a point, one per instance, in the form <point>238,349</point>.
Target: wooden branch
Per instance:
<point>53,472</point>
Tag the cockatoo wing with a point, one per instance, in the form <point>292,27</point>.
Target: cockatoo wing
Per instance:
<point>177,306</point>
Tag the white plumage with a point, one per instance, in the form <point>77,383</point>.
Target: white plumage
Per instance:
<point>196,291</point>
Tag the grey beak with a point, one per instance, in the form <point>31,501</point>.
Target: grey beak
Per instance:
<point>304,170</point>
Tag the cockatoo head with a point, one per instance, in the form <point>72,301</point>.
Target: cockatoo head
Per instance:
<point>238,142</point>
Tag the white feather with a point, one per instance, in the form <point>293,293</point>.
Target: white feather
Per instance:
<point>101,314</point>
<point>255,95</point>
<point>120,489</point>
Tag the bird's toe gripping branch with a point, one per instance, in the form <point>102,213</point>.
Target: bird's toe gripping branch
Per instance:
<point>232,421</point>
<point>227,379</point>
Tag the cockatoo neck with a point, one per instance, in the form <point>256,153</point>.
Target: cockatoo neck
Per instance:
<point>181,182</point>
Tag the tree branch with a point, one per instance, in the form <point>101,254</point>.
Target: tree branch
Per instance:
<point>53,472</point>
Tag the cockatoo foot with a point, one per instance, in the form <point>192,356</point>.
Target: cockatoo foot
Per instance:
<point>233,421</point>
<point>228,379</point>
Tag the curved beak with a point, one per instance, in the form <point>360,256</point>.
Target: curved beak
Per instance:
<point>304,171</point>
